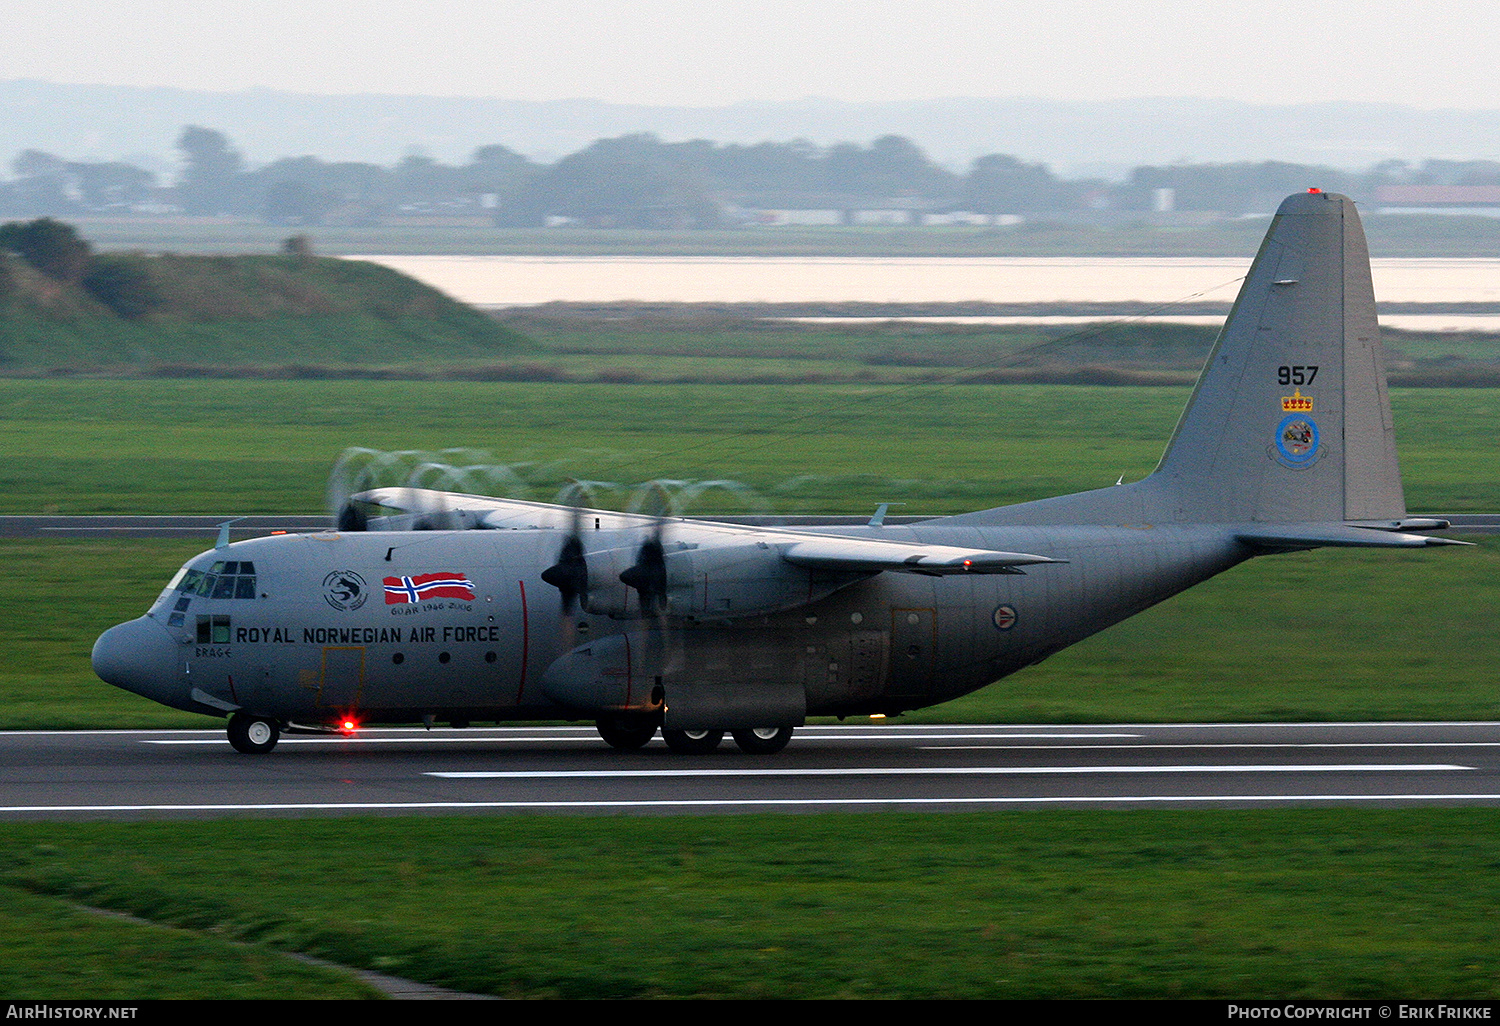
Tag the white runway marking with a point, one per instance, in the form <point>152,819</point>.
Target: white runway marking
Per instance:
<point>922,771</point>
<point>1211,744</point>
<point>380,740</point>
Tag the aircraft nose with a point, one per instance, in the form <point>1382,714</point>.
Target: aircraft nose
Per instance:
<point>140,656</point>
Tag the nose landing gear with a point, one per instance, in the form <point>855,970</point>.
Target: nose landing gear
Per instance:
<point>253,735</point>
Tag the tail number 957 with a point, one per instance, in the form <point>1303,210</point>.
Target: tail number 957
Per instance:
<point>1296,374</point>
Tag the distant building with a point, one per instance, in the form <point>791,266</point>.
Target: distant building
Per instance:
<point>969,217</point>
<point>881,217</point>
<point>812,218</point>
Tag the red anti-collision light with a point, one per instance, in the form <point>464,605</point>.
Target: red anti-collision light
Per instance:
<point>1314,190</point>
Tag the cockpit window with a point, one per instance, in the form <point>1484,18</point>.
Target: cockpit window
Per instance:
<point>225,579</point>
<point>213,630</point>
<point>179,612</point>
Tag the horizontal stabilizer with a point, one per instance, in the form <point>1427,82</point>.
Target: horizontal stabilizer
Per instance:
<point>1409,524</point>
<point>858,554</point>
<point>1314,536</point>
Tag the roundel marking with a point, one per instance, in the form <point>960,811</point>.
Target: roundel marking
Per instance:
<point>1004,617</point>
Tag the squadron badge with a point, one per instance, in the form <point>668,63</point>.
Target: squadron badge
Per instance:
<point>1296,443</point>
<point>345,589</point>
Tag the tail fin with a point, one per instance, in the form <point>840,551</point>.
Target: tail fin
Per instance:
<point>1291,420</point>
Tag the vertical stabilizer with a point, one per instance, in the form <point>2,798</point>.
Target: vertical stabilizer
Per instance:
<point>1291,420</point>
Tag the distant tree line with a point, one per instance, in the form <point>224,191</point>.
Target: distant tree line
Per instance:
<point>638,181</point>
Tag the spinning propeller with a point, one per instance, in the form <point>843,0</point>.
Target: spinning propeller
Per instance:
<point>647,575</point>
<point>348,513</point>
<point>570,574</point>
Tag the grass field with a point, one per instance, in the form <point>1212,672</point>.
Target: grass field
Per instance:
<point>233,447</point>
<point>1184,904</point>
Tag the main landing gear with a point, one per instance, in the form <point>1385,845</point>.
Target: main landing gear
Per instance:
<point>630,733</point>
<point>692,742</point>
<point>253,735</point>
<point>626,733</point>
<point>762,740</point>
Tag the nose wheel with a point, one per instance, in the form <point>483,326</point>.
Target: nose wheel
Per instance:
<point>253,735</point>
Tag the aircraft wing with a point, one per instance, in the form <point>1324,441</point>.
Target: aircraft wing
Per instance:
<point>495,514</point>
<point>798,548</point>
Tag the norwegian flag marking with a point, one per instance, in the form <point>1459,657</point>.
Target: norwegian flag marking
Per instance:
<point>404,590</point>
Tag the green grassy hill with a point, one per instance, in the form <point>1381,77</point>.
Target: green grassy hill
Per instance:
<point>286,313</point>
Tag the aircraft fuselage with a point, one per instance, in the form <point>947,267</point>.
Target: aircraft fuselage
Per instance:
<point>459,626</point>
<point>697,628</point>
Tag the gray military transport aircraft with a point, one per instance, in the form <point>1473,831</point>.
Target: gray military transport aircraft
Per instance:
<point>534,611</point>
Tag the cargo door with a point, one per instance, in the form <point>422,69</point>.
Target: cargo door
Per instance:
<point>342,677</point>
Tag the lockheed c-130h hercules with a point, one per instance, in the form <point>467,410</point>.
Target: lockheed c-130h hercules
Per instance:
<point>641,623</point>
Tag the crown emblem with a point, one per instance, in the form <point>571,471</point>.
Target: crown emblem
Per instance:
<point>1296,403</point>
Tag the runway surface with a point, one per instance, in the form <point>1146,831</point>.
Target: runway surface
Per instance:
<point>172,774</point>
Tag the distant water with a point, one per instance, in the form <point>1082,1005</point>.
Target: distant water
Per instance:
<point>1406,322</point>
<point>525,281</point>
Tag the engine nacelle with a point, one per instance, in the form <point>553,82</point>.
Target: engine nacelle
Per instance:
<point>607,594</point>
<point>713,579</point>
<point>743,577</point>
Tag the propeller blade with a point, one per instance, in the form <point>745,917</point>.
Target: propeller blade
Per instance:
<point>352,518</point>
<point>570,574</point>
<point>648,575</point>
<point>349,514</point>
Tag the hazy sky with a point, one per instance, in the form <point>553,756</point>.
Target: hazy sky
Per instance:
<point>1428,54</point>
